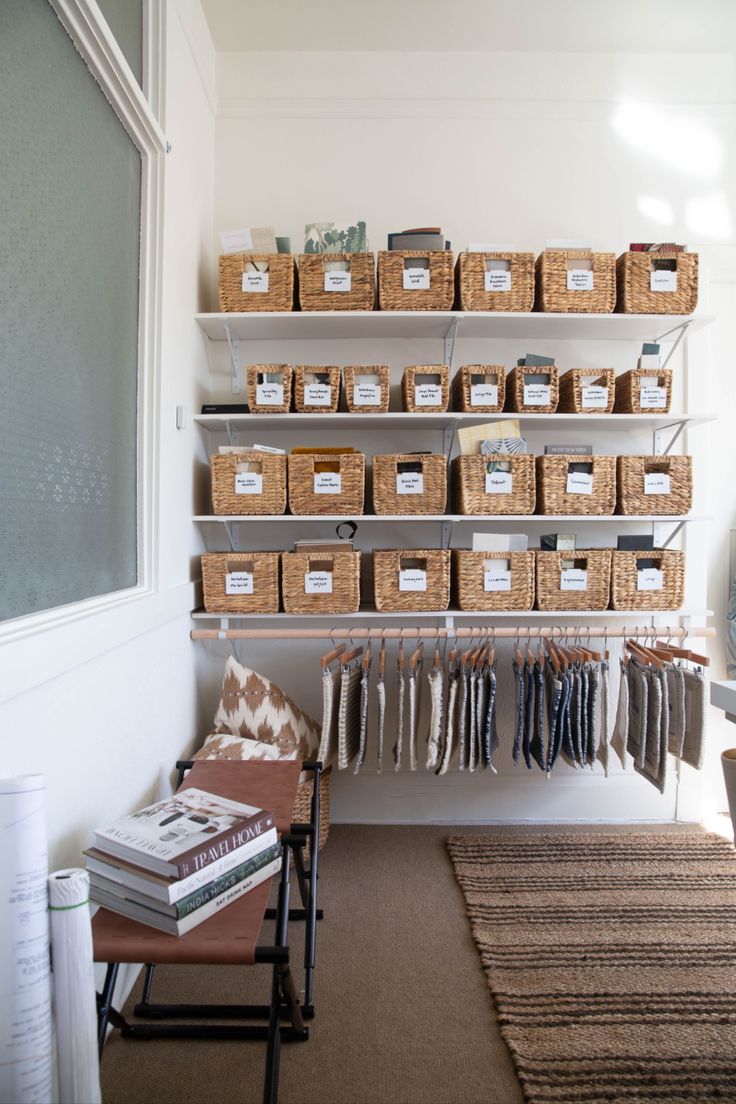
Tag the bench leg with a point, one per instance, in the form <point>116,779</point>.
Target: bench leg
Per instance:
<point>104,1004</point>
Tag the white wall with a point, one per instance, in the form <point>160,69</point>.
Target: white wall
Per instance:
<point>510,147</point>
<point>108,726</point>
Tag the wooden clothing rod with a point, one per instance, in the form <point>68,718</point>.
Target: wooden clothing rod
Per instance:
<point>523,633</point>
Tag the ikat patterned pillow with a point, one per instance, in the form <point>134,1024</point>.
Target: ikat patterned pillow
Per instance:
<point>257,709</point>
<point>227,746</point>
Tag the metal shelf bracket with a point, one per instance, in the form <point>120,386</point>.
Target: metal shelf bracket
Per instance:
<point>450,341</point>
<point>233,344</point>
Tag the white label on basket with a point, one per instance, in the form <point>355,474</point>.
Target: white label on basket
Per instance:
<point>255,281</point>
<point>367,394</point>
<point>269,394</point>
<point>595,397</point>
<point>327,483</point>
<point>317,394</point>
<point>662,280</point>
<point>484,394</point>
<point>656,483</point>
<point>416,279</point>
<point>499,482</point>
<point>579,279</point>
<point>579,483</point>
<point>427,394</point>
<point>248,483</point>
<point>239,582</point>
<point>338,281</point>
<point>496,579</point>
<point>412,579</point>
<point>652,398</point>
<point>649,578</point>
<point>574,578</point>
<point>497,281</point>
<point>318,582</point>
<point>537,394</point>
<point>410,483</point>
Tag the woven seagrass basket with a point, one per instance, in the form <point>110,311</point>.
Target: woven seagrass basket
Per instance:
<point>484,286</point>
<point>248,482</point>
<point>587,391</point>
<point>651,580</point>
<point>367,388</point>
<point>269,396</point>
<point>425,388</point>
<point>493,580</point>
<point>562,491</point>
<point>396,569</point>
<point>393,295</point>
<point>553,292</point>
<point>643,389</point>
<point>322,289</point>
<point>327,484</point>
<point>399,488</point>
<point>654,484</point>
<point>479,389</point>
<point>302,810</point>
<point>320,583</point>
<point>241,582</point>
<point>637,277</point>
<point>276,295</point>
<point>573,580</point>
<point>311,395</point>
<point>525,396</point>
<point>510,488</point>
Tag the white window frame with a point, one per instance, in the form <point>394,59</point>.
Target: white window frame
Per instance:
<point>66,634</point>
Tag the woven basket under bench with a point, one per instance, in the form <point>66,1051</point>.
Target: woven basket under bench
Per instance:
<point>302,810</point>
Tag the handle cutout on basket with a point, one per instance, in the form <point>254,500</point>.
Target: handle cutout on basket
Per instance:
<point>416,262</point>
<point>239,565</point>
<point>484,379</point>
<point>239,577</point>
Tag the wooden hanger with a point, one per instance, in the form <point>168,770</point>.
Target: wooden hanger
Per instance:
<point>367,657</point>
<point>643,653</point>
<point>331,656</point>
<point>685,653</point>
<point>416,656</point>
<point>382,656</point>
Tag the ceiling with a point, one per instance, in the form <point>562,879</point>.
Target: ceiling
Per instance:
<point>642,26</point>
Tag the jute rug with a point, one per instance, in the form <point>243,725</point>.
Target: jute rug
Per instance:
<point>612,961</point>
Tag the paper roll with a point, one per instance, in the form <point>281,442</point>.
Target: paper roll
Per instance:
<point>26,1039</point>
<point>75,1013</point>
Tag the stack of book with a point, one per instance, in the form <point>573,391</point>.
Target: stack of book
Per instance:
<point>179,861</point>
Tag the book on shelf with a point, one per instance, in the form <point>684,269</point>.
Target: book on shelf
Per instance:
<point>183,833</point>
<point>167,890</point>
<point>181,916</point>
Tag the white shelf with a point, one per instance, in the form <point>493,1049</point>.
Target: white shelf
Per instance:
<point>402,420</point>
<point>495,519</point>
<point>320,325</point>
<point>635,617</point>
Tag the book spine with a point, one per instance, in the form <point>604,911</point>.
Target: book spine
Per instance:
<point>233,878</point>
<point>200,915</point>
<point>186,886</point>
<point>202,857</point>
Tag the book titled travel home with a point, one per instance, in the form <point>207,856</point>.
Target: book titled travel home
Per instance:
<point>184,833</point>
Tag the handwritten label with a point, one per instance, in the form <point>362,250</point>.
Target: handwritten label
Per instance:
<point>367,394</point>
<point>496,579</point>
<point>656,483</point>
<point>652,398</point>
<point>416,279</point>
<point>412,579</point>
<point>484,394</point>
<point>327,483</point>
<point>579,279</point>
<point>595,397</point>
<point>537,394</point>
<point>579,483</point>
<point>249,483</point>
<point>269,394</point>
<point>410,483</point>
<point>427,394</point>
<point>317,394</point>
<point>255,281</point>
<point>497,281</point>
<point>239,582</point>
<point>499,482</point>
<point>338,281</point>
<point>662,280</point>
<point>574,578</point>
<point>318,582</point>
<point>650,578</point>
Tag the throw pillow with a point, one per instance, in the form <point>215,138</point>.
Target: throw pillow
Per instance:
<point>227,746</point>
<point>257,709</point>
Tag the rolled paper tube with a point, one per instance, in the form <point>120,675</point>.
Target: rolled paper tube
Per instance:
<point>75,1011</point>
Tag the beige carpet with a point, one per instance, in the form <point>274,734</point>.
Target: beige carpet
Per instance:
<point>612,961</point>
